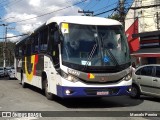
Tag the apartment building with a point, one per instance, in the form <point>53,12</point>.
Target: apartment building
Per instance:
<point>142,26</point>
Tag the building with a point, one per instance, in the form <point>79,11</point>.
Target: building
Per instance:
<point>142,26</point>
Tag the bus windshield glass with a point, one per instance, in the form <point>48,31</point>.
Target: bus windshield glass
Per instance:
<point>92,45</point>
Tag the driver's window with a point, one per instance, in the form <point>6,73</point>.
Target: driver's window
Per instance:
<point>53,43</point>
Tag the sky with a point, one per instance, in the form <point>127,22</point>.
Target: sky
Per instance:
<point>23,16</point>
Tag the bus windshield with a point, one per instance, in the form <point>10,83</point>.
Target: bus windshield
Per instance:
<point>91,45</point>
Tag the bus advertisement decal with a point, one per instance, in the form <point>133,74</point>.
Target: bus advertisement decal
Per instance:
<point>106,59</point>
<point>32,63</point>
<point>65,28</point>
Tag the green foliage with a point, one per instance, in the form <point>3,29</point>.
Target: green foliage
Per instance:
<point>115,16</point>
<point>9,51</point>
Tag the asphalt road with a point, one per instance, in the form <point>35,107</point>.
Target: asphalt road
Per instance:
<point>15,98</point>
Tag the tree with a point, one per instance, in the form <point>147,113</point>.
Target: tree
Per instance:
<point>115,16</point>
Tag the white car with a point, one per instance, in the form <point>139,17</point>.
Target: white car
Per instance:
<point>11,73</point>
<point>146,81</point>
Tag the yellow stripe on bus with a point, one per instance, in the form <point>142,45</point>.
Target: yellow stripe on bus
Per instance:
<point>29,76</point>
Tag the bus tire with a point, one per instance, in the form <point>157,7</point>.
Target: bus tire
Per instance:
<point>48,95</point>
<point>135,92</point>
<point>24,85</point>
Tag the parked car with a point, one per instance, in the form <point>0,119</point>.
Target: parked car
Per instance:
<point>2,74</point>
<point>8,70</point>
<point>11,73</point>
<point>4,71</point>
<point>146,81</point>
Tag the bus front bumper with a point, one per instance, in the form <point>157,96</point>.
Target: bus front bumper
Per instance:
<point>69,92</point>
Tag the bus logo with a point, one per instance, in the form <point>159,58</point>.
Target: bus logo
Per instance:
<point>74,72</point>
<point>91,76</point>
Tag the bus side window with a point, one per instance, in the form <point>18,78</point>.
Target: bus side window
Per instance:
<point>51,40</point>
<point>24,50</point>
<point>43,39</point>
<point>20,51</point>
<point>28,45</point>
<point>35,43</point>
<point>17,51</point>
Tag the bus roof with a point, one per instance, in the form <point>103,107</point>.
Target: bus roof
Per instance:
<point>86,20</point>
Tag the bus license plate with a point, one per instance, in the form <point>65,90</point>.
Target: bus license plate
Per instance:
<point>103,93</point>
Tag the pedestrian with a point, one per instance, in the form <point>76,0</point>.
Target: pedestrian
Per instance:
<point>133,67</point>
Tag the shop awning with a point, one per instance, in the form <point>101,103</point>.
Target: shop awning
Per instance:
<point>148,52</point>
<point>147,34</point>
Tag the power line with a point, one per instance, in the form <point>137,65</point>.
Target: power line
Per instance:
<point>60,4</point>
<point>105,7</point>
<point>14,36</point>
<point>95,4</point>
<point>88,4</point>
<point>105,12</point>
<point>50,12</point>
<point>87,13</point>
<point>45,9</point>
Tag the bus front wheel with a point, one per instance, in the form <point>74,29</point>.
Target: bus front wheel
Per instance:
<point>48,95</point>
<point>135,92</point>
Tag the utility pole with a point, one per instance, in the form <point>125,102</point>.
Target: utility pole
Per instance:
<point>87,13</point>
<point>121,12</point>
<point>4,44</point>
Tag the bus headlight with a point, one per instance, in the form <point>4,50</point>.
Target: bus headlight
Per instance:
<point>69,77</point>
<point>72,78</point>
<point>128,77</point>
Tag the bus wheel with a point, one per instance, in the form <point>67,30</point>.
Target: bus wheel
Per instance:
<point>135,92</point>
<point>22,81</point>
<point>48,95</point>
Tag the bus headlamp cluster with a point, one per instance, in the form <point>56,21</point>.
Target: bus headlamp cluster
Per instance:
<point>128,77</point>
<point>69,77</point>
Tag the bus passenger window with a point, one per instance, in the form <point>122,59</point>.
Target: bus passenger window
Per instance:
<point>28,45</point>
<point>43,39</point>
<point>24,50</point>
<point>17,52</point>
<point>20,51</point>
<point>35,43</point>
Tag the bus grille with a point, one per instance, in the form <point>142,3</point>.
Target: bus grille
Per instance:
<point>97,82</point>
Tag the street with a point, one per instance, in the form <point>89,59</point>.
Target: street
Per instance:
<point>15,98</point>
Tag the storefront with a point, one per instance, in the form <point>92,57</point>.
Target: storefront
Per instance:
<point>149,52</point>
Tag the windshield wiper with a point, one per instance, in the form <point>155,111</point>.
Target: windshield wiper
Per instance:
<point>110,53</point>
<point>90,55</point>
<point>112,57</point>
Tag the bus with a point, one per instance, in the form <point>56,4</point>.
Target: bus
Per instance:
<point>75,56</point>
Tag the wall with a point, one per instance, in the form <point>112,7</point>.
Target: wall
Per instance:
<point>147,18</point>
